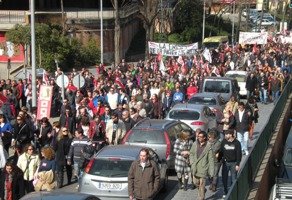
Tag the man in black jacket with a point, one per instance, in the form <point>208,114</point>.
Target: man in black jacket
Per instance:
<point>243,119</point>
<point>230,152</point>
<point>251,84</point>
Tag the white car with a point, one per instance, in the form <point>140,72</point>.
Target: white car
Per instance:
<point>267,22</point>
<point>240,76</point>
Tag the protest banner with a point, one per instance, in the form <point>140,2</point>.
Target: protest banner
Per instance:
<point>168,49</point>
<point>44,102</point>
<point>253,38</point>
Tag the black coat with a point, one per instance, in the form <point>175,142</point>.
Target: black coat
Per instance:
<point>243,125</point>
<point>22,133</point>
<point>251,83</point>
<point>62,148</point>
<point>17,184</point>
<point>71,123</point>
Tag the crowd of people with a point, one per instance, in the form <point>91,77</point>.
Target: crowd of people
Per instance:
<point>115,98</point>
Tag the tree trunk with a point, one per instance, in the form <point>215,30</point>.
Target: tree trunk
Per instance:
<point>149,36</point>
<point>117,33</point>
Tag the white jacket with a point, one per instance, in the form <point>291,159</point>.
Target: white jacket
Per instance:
<point>3,157</point>
<point>29,170</point>
<point>120,132</point>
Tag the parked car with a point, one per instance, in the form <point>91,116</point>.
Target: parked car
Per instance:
<point>267,22</point>
<point>240,76</point>
<point>257,18</point>
<point>224,86</point>
<point>106,175</point>
<point>250,12</point>
<point>196,116</point>
<point>57,195</point>
<point>213,101</point>
<point>157,134</point>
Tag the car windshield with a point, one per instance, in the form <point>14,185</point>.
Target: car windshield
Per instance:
<point>203,100</point>
<point>288,157</point>
<point>217,86</point>
<point>184,114</point>
<point>110,167</point>
<point>148,136</point>
<point>238,77</point>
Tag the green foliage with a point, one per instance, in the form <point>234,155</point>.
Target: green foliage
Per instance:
<point>174,38</point>
<point>188,23</point>
<point>52,45</point>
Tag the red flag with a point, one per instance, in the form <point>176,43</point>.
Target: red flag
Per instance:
<point>119,83</point>
<point>159,57</point>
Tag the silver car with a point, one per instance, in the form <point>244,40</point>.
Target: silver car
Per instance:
<point>196,116</point>
<point>212,100</point>
<point>106,175</point>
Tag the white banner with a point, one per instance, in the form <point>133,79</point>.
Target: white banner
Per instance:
<point>253,38</point>
<point>168,49</point>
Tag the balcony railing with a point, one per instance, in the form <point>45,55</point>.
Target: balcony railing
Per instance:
<point>12,17</point>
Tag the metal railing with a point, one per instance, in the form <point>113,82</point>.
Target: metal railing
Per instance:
<point>244,182</point>
<point>12,17</point>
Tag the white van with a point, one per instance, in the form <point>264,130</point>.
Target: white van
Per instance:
<point>240,76</point>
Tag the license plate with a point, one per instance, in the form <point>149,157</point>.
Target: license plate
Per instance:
<point>110,186</point>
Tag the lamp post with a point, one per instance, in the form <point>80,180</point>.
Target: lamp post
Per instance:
<point>33,61</point>
<point>101,33</point>
<point>204,13</point>
<point>233,21</point>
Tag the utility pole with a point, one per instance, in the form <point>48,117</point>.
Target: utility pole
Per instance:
<point>204,16</point>
<point>101,32</point>
<point>33,60</point>
<point>233,21</point>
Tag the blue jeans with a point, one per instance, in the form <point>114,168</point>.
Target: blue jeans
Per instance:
<point>77,170</point>
<point>243,139</point>
<point>263,95</point>
<point>226,167</point>
<point>275,95</point>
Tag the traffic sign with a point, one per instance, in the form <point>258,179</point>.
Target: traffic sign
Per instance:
<point>62,78</point>
<point>78,81</point>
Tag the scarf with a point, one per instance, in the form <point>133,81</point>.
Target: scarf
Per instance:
<point>8,187</point>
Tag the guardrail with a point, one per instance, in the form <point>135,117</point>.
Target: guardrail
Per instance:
<point>241,187</point>
<point>12,17</point>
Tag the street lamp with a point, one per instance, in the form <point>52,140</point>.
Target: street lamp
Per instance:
<point>101,33</point>
<point>204,13</point>
<point>233,21</point>
<point>33,60</point>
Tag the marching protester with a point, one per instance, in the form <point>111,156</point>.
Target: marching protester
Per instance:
<point>182,148</point>
<point>115,130</point>
<point>202,163</point>
<point>231,153</point>
<point>143,177</point>
<point>62,148</point>
<point>28,162</point>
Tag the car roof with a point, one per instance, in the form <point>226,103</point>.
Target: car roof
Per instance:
<point>183,106</point>
<point>206,95</point>
<point>153,123</point>
<point>237,72</point>
<point>55,195</point>
<point>218,78</point>
<point>121,151</point>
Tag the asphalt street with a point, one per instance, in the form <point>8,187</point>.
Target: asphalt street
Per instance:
<point>172,190</point>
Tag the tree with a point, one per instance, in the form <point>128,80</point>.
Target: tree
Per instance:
<point>148,10</point>
<point>51,44</point>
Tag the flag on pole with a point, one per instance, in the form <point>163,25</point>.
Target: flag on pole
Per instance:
<point>207,55</point>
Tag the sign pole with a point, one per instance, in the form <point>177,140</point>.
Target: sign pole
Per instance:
<point>63,86</point>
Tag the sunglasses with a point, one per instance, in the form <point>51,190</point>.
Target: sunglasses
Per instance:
<point>29,149</point>
<point>65,130</point>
